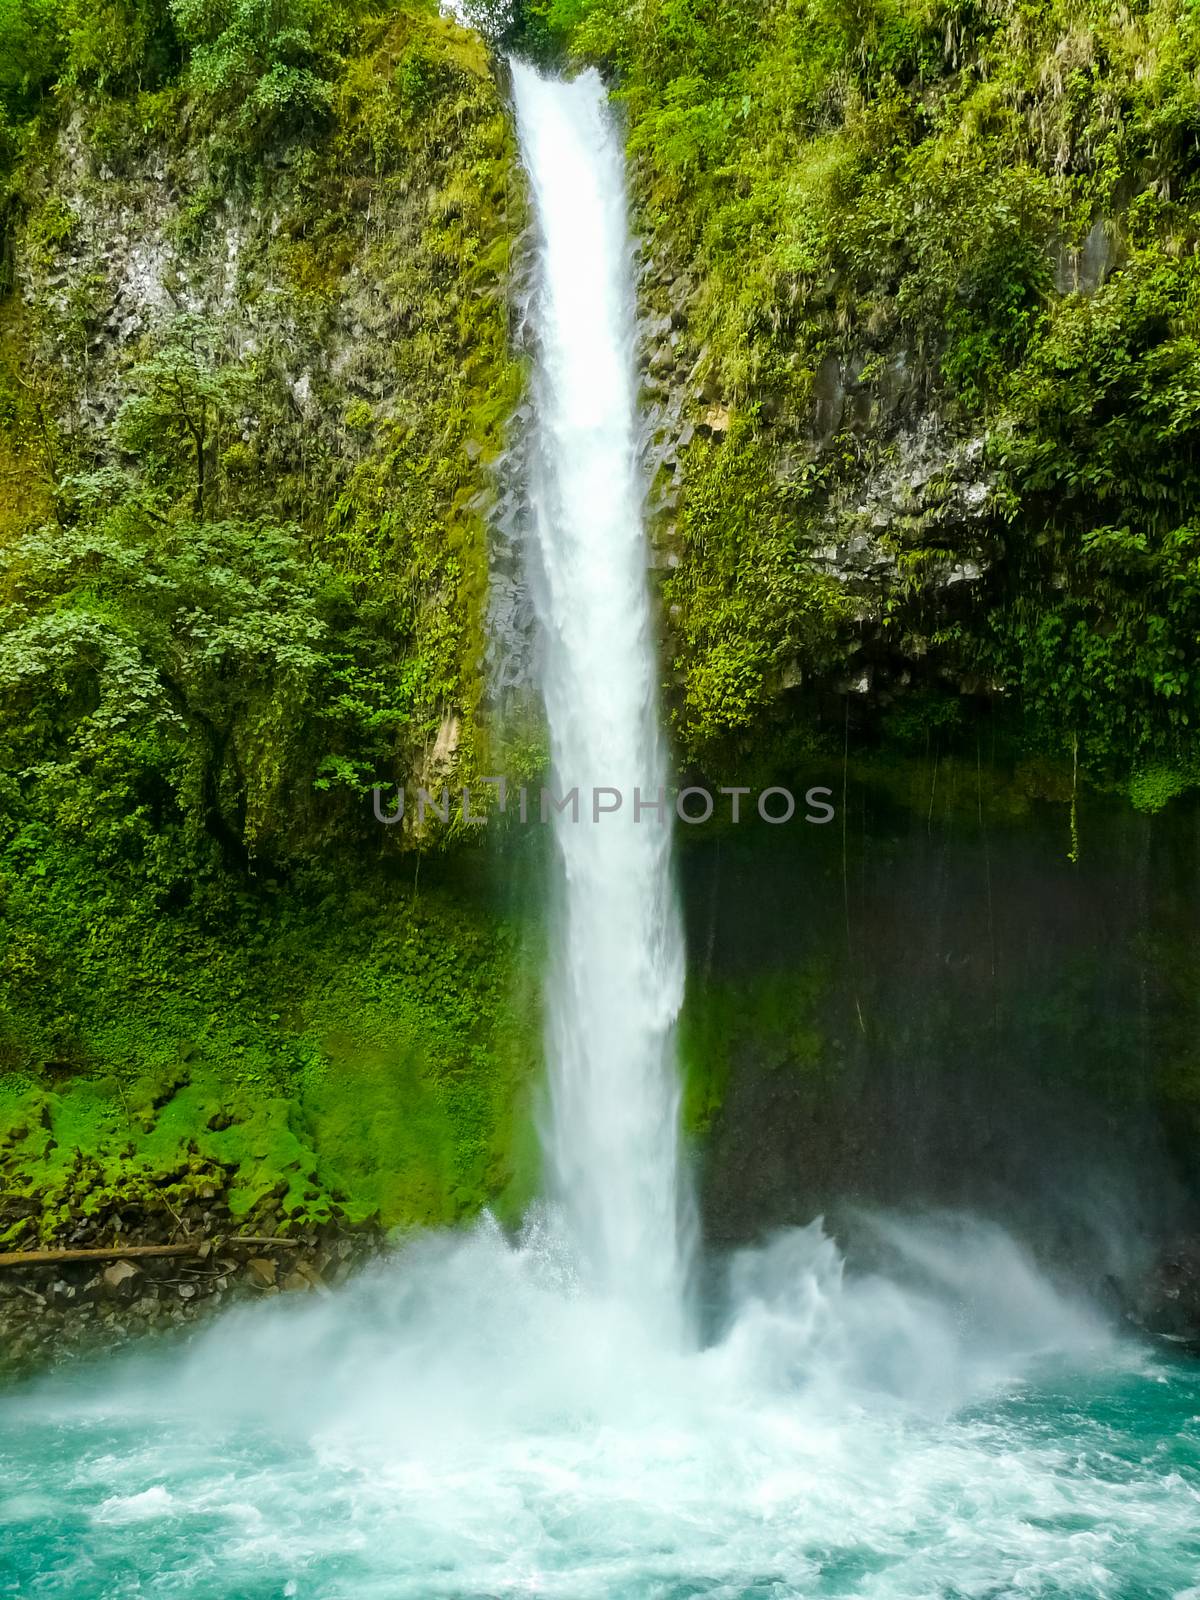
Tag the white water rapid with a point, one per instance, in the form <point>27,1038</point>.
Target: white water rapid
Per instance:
<point>617,982</point>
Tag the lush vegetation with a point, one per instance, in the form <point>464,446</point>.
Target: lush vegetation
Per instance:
<point>254,368</point>
<point>985,216</point>
<point>242,578</point>
<point>367,1056</point>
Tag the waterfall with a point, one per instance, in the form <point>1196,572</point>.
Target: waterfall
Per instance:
<point>482,1414</point>
<point>616,982</point>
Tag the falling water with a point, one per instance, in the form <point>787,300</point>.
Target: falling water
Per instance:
<point>617,983</point>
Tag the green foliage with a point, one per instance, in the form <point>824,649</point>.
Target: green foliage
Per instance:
<point>49,229</point>
<point>745,601</point>
<point>173,694</point>
<point>183,399</point>
<point>376,1064</point>
<point>118,44</point>
<point>114,45</point>
<point>249,593</point>
<point>914,187</point>
<point>270,61</point>
<point>29,53</point>
<point>232,632</point>
<point>833,165</point>
<point>1155,787</point>
<point>1098,452</point>
<point>914,721</point>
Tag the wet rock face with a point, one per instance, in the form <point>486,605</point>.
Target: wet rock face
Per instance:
<point>906,530</point>
<point>132,264</point>
<point>1086,269</point>
<point>1167,1302</point>
<point>511,667</point>
<point>928,489</point>
<point>994,1044</point>
<point>124,269</point>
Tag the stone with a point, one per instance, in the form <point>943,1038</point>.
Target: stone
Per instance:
<point>120,1279</point>
<point>1085,270</point>
<point>964,572</point>
<point>829,398</point>
<point>717,420</point>
<point>261,1271</point>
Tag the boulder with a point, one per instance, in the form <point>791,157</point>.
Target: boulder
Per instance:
<point>261,1272</point>
<point>119,1280</point>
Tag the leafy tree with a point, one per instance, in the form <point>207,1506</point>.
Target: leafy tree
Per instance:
<point>189,697</point>
<point>185,399</point>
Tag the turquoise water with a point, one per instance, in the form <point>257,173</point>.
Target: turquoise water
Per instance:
<point>466,1422</point>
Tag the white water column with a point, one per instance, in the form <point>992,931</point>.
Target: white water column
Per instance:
<point>616,981</point>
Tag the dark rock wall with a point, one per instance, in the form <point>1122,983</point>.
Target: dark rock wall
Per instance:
<point>943,1009</point>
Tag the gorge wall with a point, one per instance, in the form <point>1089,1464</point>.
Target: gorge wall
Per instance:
<point>922,398</point>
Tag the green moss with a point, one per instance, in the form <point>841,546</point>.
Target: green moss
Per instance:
<point>49,229</point>
<point>378,1067</point>
<point>26,434</point>
<point>761,1021</point>
<point>418,113</point>
<point>744,604</point>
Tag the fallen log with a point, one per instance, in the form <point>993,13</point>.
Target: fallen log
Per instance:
<point>191,1247</point>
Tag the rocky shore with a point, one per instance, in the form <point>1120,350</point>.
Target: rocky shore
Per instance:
<point>63,1303</point>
